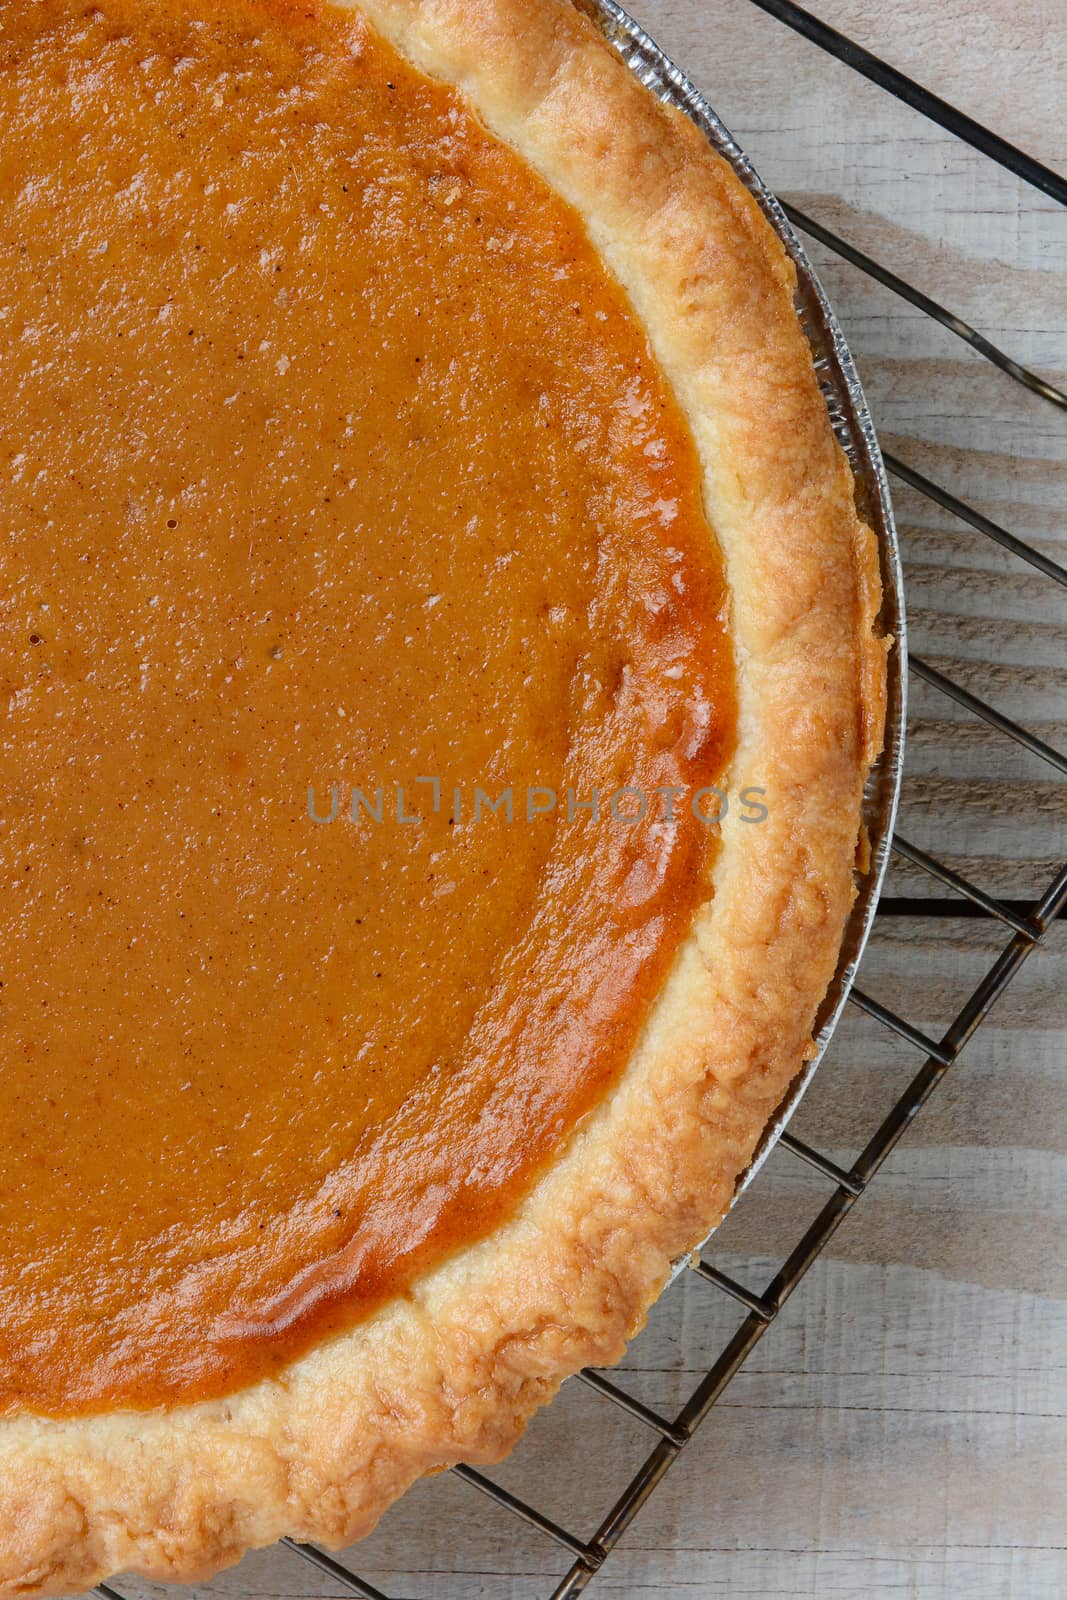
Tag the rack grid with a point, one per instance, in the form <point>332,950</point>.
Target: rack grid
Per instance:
<point>1025,922</point>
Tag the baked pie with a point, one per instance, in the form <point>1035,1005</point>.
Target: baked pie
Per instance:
<point>441,671</point>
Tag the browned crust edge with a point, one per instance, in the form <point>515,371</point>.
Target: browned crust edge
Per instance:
<point>454,1372</point>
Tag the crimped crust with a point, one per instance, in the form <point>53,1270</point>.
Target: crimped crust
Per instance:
<point>453,1372</point>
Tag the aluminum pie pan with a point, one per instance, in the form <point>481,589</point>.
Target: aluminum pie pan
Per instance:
<point>851,420</point>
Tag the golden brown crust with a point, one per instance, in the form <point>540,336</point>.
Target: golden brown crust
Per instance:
<point>454,1372</point>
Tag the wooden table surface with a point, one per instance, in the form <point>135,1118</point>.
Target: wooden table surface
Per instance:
<point>899,1431</point>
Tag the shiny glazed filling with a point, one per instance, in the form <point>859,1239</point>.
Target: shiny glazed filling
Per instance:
<point>332,457</point>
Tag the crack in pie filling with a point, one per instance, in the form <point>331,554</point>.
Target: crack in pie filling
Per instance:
<point>400,404</point>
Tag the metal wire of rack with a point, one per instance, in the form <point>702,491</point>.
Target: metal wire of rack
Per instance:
<point>1026,923</point>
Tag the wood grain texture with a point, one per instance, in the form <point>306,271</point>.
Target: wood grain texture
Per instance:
<point>900,1429</point>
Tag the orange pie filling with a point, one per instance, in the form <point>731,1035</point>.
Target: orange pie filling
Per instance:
<point>334,459</point>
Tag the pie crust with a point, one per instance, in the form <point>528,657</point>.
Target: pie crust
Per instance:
<point>453,1372</point>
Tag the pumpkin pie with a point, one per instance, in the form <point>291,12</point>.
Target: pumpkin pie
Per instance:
<point>440,674</point>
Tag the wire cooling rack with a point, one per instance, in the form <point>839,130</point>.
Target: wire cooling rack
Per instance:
<point>1025,922</point>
